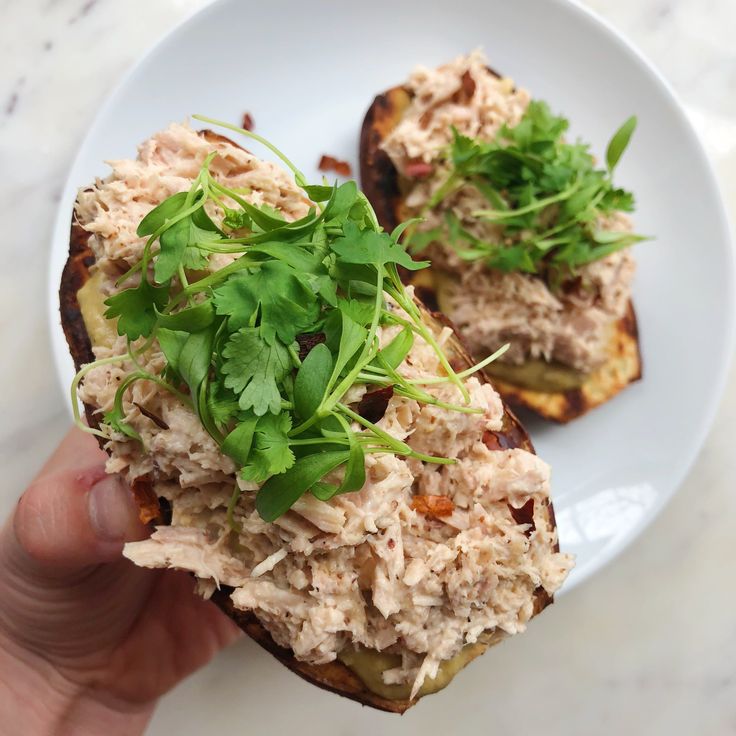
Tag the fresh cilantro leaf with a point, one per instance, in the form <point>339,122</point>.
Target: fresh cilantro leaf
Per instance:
<point>223,405</point>
<point>175,240</point>
<point>300,259</point>
<point>278,294</point>
<point>512,258</point>
<point>254,369</point>
<point>359,310</point>
<point>136,309</point>
<point>370,247</point>
<point>270,454</point>
<point>194,259</point>
<point>237,220</point>
<point>342,201</point>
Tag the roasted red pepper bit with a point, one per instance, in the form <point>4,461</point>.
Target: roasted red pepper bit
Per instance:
<point>418,169</point>
<point>330,163</point>
<point>145,497</point>
<point>437,506</point>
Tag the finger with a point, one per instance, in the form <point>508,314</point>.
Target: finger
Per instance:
<point>74,514</point>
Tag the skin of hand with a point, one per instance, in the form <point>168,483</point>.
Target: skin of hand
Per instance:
<point>88,641</point>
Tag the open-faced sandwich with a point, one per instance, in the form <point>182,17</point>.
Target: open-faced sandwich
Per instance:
<point>313,445</point>
<point>529,240</point>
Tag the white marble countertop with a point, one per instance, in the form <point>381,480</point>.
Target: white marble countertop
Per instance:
<point>647,646</point>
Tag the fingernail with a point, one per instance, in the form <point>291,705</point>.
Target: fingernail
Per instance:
<point>110,509</point>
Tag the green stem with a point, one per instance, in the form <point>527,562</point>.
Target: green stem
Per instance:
<point>298,176</point>
<point>449,184</point>
<point>399,294</point>
<point>366,354</point>
<point>319,441</point>
<point>209,281</point>
<point>429,380</point>
<point>495,215</point>
<point>81,373</point>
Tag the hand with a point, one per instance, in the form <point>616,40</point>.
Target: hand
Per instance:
<point>88,641</point>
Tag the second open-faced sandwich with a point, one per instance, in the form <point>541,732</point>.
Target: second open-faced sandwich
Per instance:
<point>312,444</point>
<point>529,239</point>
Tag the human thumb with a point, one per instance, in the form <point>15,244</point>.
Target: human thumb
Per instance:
<point>73,514</point>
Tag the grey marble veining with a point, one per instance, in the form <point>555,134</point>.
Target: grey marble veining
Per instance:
<point>647,646</point>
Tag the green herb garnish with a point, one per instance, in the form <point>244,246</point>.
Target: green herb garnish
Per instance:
<point>231,338</point>
<point>546,198</point>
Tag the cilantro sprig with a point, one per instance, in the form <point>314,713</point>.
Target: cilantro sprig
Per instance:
<point>545,197</point>
<point>232,338</point>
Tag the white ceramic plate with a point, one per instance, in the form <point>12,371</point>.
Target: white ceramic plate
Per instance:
<point>308,71</point>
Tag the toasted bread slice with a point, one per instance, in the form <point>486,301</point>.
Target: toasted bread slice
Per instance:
<point>334,676</point>
<point>386,189</point>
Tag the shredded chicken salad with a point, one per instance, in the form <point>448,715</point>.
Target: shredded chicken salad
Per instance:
<point>420,559</point>
<point>497,292</point>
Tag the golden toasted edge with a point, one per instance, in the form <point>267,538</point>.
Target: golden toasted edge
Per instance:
<point>333,676</point>
<point>623,367</point>
<point>381,184</point>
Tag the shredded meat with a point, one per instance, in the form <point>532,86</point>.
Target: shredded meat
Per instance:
<point>365,568</point>
<point>491,308</point>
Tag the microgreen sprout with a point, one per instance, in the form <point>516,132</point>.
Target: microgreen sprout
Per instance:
<point>546,199</point>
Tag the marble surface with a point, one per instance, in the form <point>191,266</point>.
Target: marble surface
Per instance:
<point>647,646</point>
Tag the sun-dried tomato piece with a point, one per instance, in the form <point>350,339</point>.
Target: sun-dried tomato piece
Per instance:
<point>372,405</point>
<point>247,121</point>
<point>307,341</point>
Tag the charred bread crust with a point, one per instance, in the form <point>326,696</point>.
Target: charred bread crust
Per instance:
<point>333,676</point>
<point>383,186</point>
